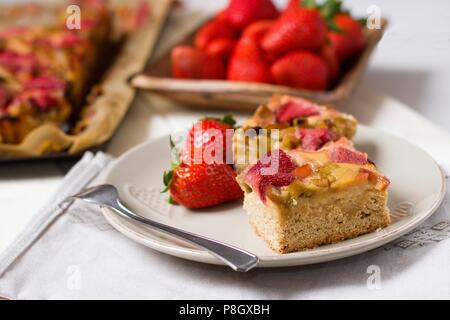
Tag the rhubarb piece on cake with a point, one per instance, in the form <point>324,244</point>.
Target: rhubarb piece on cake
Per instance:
<point>300,123</point>
<point>301,199</point>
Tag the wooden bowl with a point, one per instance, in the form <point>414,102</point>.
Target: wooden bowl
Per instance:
<point>244,95</point>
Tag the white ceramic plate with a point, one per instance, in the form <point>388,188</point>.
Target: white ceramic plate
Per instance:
<point>417,189</point>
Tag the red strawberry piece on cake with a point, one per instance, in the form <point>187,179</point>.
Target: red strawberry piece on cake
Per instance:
<point>5,98</point>
<point>298,108</point>
<point>313,139</point>
<point>17,62</point>
<point>47,82</point>
<point>273,169</point>
<point>343,152</point>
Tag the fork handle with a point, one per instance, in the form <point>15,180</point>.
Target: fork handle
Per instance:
<point>238,259</point>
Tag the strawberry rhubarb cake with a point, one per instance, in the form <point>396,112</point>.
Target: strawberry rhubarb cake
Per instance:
<point>47,71</point>
<point>287,123</point>
<point>300,199</point>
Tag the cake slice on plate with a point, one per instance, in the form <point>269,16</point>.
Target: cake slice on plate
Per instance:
<point>302,199</point>
<point>287,123</point>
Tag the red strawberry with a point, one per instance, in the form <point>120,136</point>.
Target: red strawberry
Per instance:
<point>300,29</point>
<point>221,15</point>
<point>202,185</point>
<point>214,29</point>
<point>350,41</point>
<point>247,63</point>
<point>193,63</point>
<point>301,69</point>
<point>292,5</point>
<point>5,98</point>
<point>207,137</point>
<point>221,48</point>
<point>328,54</point>
<point>242,13</point>
<point>257,29</point>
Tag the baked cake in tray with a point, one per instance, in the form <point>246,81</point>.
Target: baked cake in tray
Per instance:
<point>47,71</point>
<point>300,199</point>
<point>287,123</point>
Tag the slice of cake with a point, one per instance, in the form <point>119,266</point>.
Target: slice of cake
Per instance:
<point>301,199</point>
<point>287,123</point>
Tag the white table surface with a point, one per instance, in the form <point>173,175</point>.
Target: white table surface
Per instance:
<point>411,64</point>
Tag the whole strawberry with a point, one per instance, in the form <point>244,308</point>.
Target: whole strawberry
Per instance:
<point>213,30</point>
<point>202,185</point>
<point>257,29</point>
<point>221,48</point>
<point>248,61</point>
<point>301,69</point>
<point>193,63</point>
<point>241,13</point>
<point>329,55</point>
<point>296,29</point>
<point>350,40</point>
<point>209,141</point>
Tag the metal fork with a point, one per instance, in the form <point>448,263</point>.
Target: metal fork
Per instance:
<point>107,196</point>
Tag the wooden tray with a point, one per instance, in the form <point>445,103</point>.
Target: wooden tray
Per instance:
<point>243,95</point>
<point>108,109</point>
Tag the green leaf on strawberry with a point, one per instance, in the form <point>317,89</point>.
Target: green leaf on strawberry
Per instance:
<point>309,3</point>
<point>228,119</point>
<point>332,26</point>
<point>362,21</point>
<point>175,154</point>
<point>330,8</point>
<point>175,162</point>
<point>167,179</point>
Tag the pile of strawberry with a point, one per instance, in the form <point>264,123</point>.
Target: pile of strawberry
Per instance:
<point>199,176</point>
<point>305,46</point>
